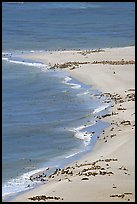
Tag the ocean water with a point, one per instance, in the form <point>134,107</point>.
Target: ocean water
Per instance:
<point>48,117</point>
<point>57,25</point>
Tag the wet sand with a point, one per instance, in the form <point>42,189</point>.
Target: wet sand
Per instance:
<point>108,172</point>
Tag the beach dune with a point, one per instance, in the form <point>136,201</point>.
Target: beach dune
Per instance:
<point>106,174</point>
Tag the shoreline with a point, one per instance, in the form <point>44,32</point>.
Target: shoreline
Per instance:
<point>90,128</point>
<point>107,163</point>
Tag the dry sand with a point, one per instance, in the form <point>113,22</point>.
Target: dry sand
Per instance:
<point>108,172</point>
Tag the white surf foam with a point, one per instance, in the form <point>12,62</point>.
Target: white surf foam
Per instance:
<point>101,108</point>
<point>73,154</point>
<point>67,79</point>
<point>5,58</point>
<point>73,85</point>
<point>32,64</point>
<point>20,183</point>
<point>6,53</point>
<point>83,135</point>
<point>84,93</point>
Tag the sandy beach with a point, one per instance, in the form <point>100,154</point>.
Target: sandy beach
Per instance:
<point>107,174</point>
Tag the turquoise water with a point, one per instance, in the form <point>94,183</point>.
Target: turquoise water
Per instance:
<point>45,112</point>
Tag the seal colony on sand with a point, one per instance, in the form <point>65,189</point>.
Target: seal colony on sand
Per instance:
<point>107,174</point>
<point>73,65</point>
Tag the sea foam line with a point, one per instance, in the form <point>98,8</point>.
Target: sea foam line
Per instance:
<point>73,154</point>
<point>84,93</point>
<point>32,64</point>
<point>67,81</point>
<point>101,108</point>
<point>83,135</point>
<point>20,183</point>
